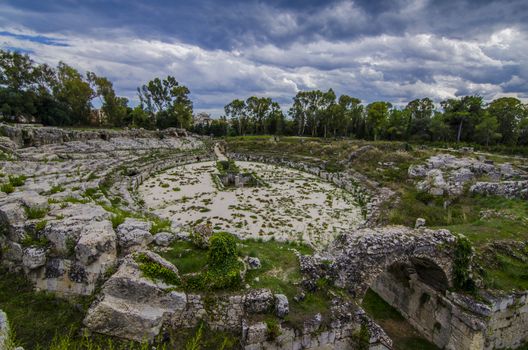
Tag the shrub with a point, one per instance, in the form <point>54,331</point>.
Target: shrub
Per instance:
<point>32,241</point>
<point>462,265</point>
<point>223,249</point>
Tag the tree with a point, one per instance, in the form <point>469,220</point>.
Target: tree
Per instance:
<point>167,102</point>
<point>115,108</point>
<point>377,114</point>
<point>419,112</point>
<point>486,130</point>
<point>463,114</point>
<point>508,111</point>
<point>236,111</point>
<point>397,124</point>
<point>74,92</point>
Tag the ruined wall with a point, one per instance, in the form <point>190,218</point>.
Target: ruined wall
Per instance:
<point>508,322</point>
<point>453,321</point>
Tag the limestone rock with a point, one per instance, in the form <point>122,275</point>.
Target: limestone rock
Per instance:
<point>96,238</point>
<point>133,306</point>
<point>259,301</point>
<point>253,263</point>
<point>134,233</point>
<point>282,307</point>
<point>33,258</point>
<point>164,239</point>
<point>420,222</point>
<point>257,333</point>
<point>201,235</point>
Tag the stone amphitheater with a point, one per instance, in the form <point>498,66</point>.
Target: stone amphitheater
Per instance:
<point>86,204</point>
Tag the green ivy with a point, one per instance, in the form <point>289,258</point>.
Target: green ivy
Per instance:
<point>156,271</point>
<point>462,265</point>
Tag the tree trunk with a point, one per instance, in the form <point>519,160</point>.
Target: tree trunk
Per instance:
<point>459,130</point>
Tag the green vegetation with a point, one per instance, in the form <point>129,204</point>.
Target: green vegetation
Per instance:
<point>156,271</point>
<point>272,328</point>
<point>7,187</point>
<point>159,225</point>
<point>227,167</point>
<point>36,213</point>
<point>17,181</point>
<point>462,265</point>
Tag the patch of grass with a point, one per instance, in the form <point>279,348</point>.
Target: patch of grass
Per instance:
<point>186,257</point>
<point>160,225</point>
<point>36,213</point>
<point>508,273</point>
<point>279,265</point>
<point>35,316</point>
<point>56,189</point>
<point>35,241</point>
<point>17,180</point>
<point>7,188</point>
<point>378,308</point>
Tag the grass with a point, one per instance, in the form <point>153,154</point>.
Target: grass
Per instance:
<point>186,257</point>
<point>7,188</point>
<point>160,225</point>
<point>280,266</point>
<point>35,213</point>
<point>399,330</point>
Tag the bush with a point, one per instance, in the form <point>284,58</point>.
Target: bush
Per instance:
<point>222,249</point>
<point>462,265</point>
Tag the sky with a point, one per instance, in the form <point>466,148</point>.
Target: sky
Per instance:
<point>391,50</point>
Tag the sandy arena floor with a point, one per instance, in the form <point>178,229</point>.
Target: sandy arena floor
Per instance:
<point>295,206</point>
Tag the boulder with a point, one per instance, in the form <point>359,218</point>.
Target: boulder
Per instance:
<point>282,307</point>
<point>131,224</point>
<point>135,238</point>
<point>96,238</point>
<point>164,239</point>
<point>417,171</point>
<point>133,306</point>
<point>256,333</point>
<point>201,235</point>
<point>253,263</point>
<point>259,301</point>
<point>420,222</point>
<point>134,233</point>
<point>33,258</point>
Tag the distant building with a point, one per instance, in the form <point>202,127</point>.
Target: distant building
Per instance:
<point>203,119</point>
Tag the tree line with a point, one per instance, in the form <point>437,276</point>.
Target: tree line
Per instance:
<point>322,114</point>
<point>62,96</point>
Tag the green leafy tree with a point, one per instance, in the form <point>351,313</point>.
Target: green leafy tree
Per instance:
<point>463,114</point>
<point>377,116</point>
<point>73,92</point>
<point>115,108</point>
<point>486,130</point>
<point>236,111</point>
<point>508,111</point>
<point>167,103</point>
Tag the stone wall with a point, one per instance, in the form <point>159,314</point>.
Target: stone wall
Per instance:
<point>35,136</point>
<point>453,321</point>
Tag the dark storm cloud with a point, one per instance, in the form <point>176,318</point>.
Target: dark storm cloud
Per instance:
<point>393,50</point>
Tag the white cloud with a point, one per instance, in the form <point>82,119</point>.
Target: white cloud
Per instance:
<point>388,67</point>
